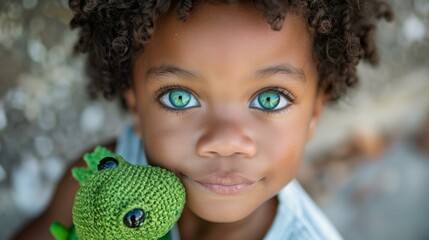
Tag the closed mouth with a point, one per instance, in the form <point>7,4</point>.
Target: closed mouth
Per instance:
<point>225,183</point>
<point>225,189</point>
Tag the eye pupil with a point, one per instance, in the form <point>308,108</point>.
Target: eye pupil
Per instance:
<point>134,218</point>
<point>107,163</point>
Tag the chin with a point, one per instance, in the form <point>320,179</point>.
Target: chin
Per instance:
<point>221,211</point>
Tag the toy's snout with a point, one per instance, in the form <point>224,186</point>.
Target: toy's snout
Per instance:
<point>135,217</point>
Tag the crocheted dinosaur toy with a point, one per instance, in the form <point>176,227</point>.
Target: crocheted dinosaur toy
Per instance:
<point>117,200</point>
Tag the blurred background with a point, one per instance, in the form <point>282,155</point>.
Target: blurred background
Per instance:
<point>367,168</point>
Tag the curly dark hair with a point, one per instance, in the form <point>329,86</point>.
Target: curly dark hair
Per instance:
<point>113,32</point>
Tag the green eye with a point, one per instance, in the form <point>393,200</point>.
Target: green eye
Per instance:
<point>179,99</point>
<point>270,100</point>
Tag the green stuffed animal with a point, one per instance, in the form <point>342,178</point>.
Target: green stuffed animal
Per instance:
<point>117,200</point>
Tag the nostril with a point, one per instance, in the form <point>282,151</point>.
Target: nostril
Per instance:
<point>134,218</point>
<point>226,138</point>
<point>226,148</point>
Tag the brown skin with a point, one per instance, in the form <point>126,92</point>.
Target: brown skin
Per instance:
<point>220,61</point>
<point>233,59</point>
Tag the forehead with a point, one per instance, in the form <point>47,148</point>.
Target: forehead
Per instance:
<point>226,37</point>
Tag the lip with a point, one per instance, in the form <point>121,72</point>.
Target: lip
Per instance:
<point>225,183</point>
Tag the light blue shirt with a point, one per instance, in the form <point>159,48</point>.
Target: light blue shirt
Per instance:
<point>297,218</point>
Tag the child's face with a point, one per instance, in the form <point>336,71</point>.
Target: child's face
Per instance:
<point>228,104</point>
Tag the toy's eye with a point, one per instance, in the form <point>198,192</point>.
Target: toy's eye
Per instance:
<point>107,163</point>
<point>134,218</point>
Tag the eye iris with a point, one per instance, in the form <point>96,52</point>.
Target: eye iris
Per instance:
<point>180,99</point>
<point>269,100</point>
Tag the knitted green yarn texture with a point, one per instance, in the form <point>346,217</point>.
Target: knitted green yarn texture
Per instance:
<point>113,191</point>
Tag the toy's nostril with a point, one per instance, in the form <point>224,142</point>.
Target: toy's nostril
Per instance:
<point>134,218</point>
<point>107,163</point>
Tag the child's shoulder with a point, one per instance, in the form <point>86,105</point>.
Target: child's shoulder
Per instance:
<point>298,217</point>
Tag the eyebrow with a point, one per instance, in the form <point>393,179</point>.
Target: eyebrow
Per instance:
<point>286,69</point>
<point>165,70</point>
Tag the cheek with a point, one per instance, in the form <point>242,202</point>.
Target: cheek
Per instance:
<point>284,150</point>
<point>168,140</point>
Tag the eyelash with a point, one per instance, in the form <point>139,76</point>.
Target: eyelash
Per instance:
<point>164,90</point>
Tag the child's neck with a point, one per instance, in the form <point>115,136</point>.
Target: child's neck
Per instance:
<point>254,226</point>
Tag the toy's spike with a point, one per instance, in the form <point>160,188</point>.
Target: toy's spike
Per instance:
<point>81,174</point>
<point>92,160</point>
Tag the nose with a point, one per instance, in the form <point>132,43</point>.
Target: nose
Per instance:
<point>226,139</point>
